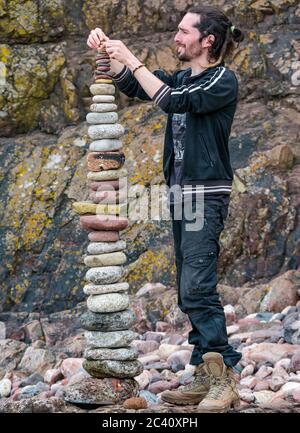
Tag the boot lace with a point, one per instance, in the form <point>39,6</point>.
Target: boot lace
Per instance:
<point>200,379</point>
<point>218,386</point>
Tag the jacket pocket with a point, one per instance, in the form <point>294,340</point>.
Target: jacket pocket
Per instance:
<point>206,152</point>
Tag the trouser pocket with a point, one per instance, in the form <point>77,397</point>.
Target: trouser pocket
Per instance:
<point>199,274</point>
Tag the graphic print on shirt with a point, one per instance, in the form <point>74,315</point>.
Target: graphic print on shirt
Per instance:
<point>179,126</point>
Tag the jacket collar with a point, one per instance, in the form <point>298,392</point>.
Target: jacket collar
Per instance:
<point>187,75</point>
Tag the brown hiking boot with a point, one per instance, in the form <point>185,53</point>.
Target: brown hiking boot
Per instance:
<point>222,394</point>
<point>192,393</point>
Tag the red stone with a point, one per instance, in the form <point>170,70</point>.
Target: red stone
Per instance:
<point>103,222</point>
<point>107,197</point>
<point>104,185</point>
<point>135,403</point>
<point>103,68</point>
<point>98,161</point>
<point>106,77</point>
<point>104,236</point>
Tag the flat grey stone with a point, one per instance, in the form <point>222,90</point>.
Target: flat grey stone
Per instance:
<point>93,289</point>
<point>105,144</point>
<point>123,354</point>
<point>118,321</point>
<point>105,274</point>
<point>103,98</point>
<point>115,130</point>
<point>108,303</point>
<point>103,108</point>
<point>106,247</point>
<point>98,118</point>
<point>98,339</point>
<point>102,89</point>
<point>109,368</point>
<point>107,174</point>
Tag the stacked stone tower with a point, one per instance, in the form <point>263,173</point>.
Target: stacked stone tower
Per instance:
<point>108,355</point>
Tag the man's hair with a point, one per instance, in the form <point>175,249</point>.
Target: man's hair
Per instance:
<point>212,21</point>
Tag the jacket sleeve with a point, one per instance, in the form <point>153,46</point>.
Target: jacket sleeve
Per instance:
<point>219,89</point>
<point>129,85</point>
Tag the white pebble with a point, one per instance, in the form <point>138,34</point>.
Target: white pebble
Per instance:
<point>247,371</point>
<point>5,388</point>
<point>105,144</point>
<point>289,388</point>
<point>103,108</point>
<point>284,362</point>
<point>99,118</point>
<point>263,397</point>
<point>106,247</point>
<point>115,130</point>
<point>246,395</point>
<point>103,98</point>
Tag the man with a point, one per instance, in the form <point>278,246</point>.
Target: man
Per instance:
<point>200,102</point>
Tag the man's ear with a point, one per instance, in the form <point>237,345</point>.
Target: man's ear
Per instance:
<point>210,40</point>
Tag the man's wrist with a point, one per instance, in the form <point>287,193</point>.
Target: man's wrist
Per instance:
<point>132,63</point>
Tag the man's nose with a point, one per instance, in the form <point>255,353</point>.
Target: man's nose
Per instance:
<point>176,38</point>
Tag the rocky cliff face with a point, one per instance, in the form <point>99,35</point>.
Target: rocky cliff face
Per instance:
<point>45,72</point>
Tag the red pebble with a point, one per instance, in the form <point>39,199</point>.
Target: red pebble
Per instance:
<point>103,222</point>
<point>104,236</point>
<point>105,185</point>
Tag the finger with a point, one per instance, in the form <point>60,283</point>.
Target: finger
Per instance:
<point>101,34</point>
<point>113,41</point>
<point>95,37</point>
<point>91,41</point>
<point>95,41</point>
<point>91,44</point>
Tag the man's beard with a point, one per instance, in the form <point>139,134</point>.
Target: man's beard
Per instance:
<point>187,55</point>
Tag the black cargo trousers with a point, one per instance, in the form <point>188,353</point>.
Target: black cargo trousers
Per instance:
<point>196,254</point>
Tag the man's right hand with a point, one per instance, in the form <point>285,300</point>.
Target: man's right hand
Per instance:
<point>96,37</point>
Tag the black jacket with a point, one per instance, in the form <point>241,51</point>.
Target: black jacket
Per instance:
<point>210,100</point>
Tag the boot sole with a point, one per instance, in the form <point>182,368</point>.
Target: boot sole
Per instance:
<point>233,405</point>
<point>184,403</point>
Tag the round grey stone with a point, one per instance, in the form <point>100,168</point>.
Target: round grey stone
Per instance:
<point>96,118</point>
<point>115,130</point>
<point>105,144</point>
<point>103,108</point>
<point>108,303</point>
<point>105,247</point>
<point>107,174</point>
<point>109,368</point>
<point>98,339</point>
<point>92,289</point>
<point>123,354</point>
<point>103,98</point>
<point>118,321</point>
<point>102,89</point>
<point>104,274</point>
